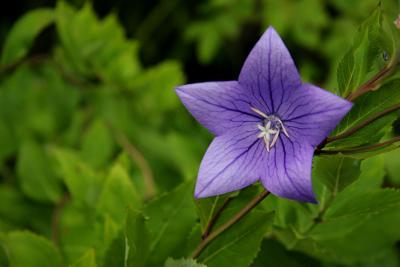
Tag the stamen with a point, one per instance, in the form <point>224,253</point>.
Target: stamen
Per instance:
<point>275,139</point>
<point>284,129</point>
<point>259,112</point>
<point>271,129</point>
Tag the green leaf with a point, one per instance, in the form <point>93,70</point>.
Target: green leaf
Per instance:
<point>97,144</point>
<point>98,50</point>
<point>138,240</point>
<point>336,172</point>
<point>240,243</point>
<point>82,182</point>
<point>353,203</point>
<point>157,83</point>
<point>275,254</point>
<point>24,32</point>
<point>207,207</point>
<point>118,194</point>
<point>87,260</point>
<point>372,174</point>
<point>171,218</point>
<point>80,230</point>
<point>20,211</point>
<point>36,175</point>
<point>364,59</point>
<point>27,249</point>
<point>392,166</point>
<point>115,254</point>
<point>366,106</point>
<point>182,263</point>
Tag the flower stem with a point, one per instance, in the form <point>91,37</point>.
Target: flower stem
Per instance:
<point>359,149</point>
<point>215,218</point>
<point>141,162</point>
<point>237,217</point>
<point>363,124</point>
<point>370,84</point>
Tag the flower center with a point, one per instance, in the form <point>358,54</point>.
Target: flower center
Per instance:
<point>270,129</point>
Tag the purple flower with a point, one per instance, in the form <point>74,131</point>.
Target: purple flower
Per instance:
<point>267,124</point>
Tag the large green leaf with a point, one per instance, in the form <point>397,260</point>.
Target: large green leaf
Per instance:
<point>137,246</point>
<point>364,59</point>
<point>171,218</point>
<point>272,253</point>
<point>240,243</point>
<point>366,106</point>
<point>36,175</point>
<point>27,249</point>
<point>24,32</point>
<point>341,223</point>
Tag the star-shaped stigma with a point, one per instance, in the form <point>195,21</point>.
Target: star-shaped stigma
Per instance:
<point>272,126</point>
<point>266,124</point>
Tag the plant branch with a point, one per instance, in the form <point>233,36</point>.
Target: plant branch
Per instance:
<point>34,59</point>
<point>370,84</point>
<point>237,217</point>
<point>214,218</point>
<point>140,160</point>
<point>362,124</point>
<point>359,149</point>
<point>55,219</point>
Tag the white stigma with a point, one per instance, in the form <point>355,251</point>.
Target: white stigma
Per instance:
<point>271,129</point>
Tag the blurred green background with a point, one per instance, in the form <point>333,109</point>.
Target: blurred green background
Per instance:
<point>90,123</point>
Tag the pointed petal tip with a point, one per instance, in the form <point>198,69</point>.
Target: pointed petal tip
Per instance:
<point>179,89</point>
<point>271,30</point>
<point>201,193</point>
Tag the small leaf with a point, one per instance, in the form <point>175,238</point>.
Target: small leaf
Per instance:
<point>182,263</point>
<point>118,194</point>
<point>24,32</point>
<point>137,245</point>
<point>97,144</point>
<point>35,174</point>
<point>28,249</point>
<point>171,218</point>
<point>87,260</point>
<point>82,182</point>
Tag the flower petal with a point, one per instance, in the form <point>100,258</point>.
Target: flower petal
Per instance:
<point>269,73</point>
<point>230,163</point>
<point>312,113</point>
<point>218,106</point>
<point>287,172</point>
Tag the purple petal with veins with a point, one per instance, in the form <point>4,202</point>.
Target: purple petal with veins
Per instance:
<point>267,124</point>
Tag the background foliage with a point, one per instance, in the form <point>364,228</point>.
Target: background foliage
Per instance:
<point>98,157</point>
